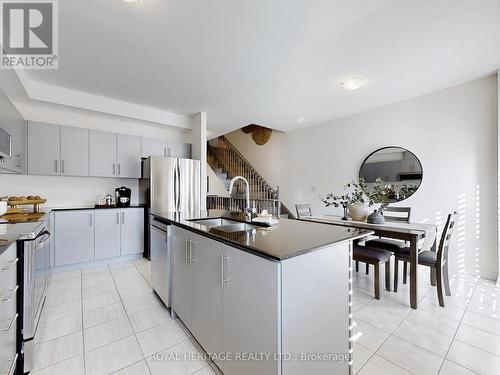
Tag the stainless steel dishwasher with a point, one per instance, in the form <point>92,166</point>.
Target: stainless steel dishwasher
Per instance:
<point>160,259</point>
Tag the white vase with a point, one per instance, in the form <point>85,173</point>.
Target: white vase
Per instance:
<point>358,212</point>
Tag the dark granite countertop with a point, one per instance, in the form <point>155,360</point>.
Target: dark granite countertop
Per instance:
<point>93,207</point>
<point>288,239</point>
<point>10,233</point>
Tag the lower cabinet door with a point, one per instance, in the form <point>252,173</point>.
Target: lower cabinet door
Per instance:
<point>250,312</point>
<point>132,231</point>
<point>207,317</point>
<point>74,237</point>
<point>107,234</point>
<point>182,289</point>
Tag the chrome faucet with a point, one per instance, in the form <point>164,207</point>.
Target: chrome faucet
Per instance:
<point>248,210</point>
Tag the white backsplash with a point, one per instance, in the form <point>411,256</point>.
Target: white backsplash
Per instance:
<point>65,191</point>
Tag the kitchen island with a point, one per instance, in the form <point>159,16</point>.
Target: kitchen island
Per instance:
<point>263,300</point>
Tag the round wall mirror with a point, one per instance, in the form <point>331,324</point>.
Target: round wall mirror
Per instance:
<point>394,166</point>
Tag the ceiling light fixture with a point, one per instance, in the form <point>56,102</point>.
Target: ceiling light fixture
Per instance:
<point>132,1</point>
<point>353,82</point>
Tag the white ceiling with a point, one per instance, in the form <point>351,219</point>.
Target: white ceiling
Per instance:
<point>271,62</point>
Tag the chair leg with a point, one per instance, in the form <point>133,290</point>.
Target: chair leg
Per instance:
<point>446,280</point>
<point>405,271</point>
<point>439,282</point>
<point>388,275</point>
<point>357,266</point>
<point>396,276</point>
<point>367,269</point>
<point>377,280</point>
<point>433,276</point>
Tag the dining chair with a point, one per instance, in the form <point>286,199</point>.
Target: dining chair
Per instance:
<point>394,215</point>
<point>437,261</point>
<point>303,209</point>
<point>375,257</point>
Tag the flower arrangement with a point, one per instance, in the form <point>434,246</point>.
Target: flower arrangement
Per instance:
<point>358,193</point>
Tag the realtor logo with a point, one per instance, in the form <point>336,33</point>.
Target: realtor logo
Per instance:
<point>29,34</point>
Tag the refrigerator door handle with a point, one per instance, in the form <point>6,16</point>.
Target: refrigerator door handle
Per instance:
<point>179,187</point>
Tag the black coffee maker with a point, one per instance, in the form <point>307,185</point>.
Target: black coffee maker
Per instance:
<point>122,195</point>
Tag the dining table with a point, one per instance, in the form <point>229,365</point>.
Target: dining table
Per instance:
<point>413,233</point>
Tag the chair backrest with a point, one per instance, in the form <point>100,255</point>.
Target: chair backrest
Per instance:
<point>303,210</point>
<point>444,244</point>
<point>399,214</point>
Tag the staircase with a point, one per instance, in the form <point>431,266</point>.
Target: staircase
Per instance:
<point>227,162</point>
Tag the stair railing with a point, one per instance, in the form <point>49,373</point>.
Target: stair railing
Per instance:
<point>222,154</point>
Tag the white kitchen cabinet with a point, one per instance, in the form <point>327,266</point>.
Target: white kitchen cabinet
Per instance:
<point>207,318</point>
<point>251,311</point>
<point>132,231</point>
<point>182,285</point>
<point>74,151</point>
<point>74,237</point>
<point>107,233</point>
<point>44,147</point>
<point>154,147</point>
<point>128,156</point>
<point>179,150</point>
<point>102,154</point>
<point>14,124</point>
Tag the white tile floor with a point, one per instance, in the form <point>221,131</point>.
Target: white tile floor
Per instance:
<point>105,320</point>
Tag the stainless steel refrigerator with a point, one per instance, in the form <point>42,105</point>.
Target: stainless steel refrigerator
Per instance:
<point>168,185</point>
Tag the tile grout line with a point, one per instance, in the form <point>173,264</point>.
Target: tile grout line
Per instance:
<point>390,335</point>
<point>458,327</point>
<point>129,322</point>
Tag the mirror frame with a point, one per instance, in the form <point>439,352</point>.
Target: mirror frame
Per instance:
<point>403,148</point>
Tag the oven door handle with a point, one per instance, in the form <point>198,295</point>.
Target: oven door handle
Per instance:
<point>42,241</point>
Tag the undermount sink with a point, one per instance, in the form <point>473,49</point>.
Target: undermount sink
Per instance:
<point>213,222</point>
<point>237,227</point>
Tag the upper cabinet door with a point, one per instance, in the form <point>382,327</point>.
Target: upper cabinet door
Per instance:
<point>179,150</point>
<point>129,156</point>
<point>102,154</point>
<point>13,123</point>
<point>74,151</point>
<point>154,147</point>
<point>44,148</point>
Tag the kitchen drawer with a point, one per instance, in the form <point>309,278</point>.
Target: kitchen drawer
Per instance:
<point>8,298</point>
<point>7,341</point>
<point>8,365</point>
<point>8,267</point>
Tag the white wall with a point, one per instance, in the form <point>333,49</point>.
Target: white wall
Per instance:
<point>454,134</point>
<point>65,191</point>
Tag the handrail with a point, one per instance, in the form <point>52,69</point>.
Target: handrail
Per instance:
<point>227,157</point>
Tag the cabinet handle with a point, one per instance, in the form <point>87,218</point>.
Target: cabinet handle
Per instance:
<point>114,169</point>
<point>119,169</point>
<point>55,166</point>
<point>164,151</point>
<point>11,265</point>
<point>169,153</point>
<point>62,166</point>
<point>117,218</point>
<point>12,293</point>
<point>90,216</point>
<point>123,217</point>
<point>18,161</point>
<point>223,279</point>
<point>186,244</point>
<point>10,325</point>
<point>191,259</point>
